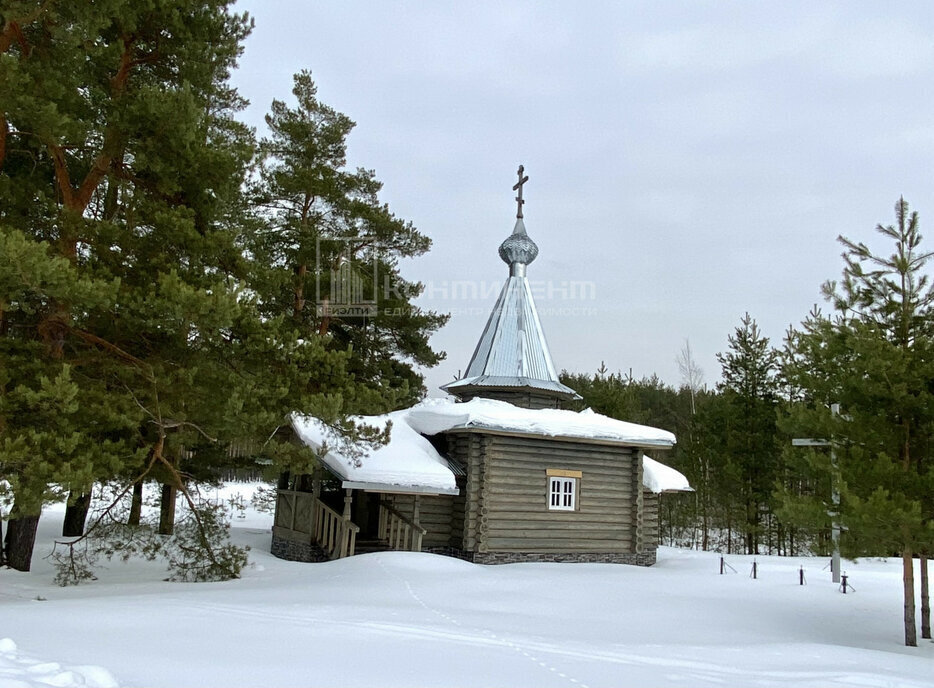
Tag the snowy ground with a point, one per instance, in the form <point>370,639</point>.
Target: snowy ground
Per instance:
<point>398,619</point>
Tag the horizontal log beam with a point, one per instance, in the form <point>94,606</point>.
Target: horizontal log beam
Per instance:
<point>619,518</point>
<point>500,544</point>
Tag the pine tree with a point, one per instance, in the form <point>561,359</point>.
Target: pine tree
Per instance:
<point>143,330</point>
<point>750,445</point>
<point>874,358</point>
<point>322,228</point>
<point>119,151</point>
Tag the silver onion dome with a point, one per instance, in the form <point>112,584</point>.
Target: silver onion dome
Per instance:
<point>518,247</point>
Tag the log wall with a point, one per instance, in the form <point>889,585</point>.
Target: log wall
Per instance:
<point>506,495</point>
<point>650,506</point>
<point>434,515</point>
<point>523,397</point>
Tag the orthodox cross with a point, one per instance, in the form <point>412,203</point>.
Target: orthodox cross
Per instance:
<point>518,187</point>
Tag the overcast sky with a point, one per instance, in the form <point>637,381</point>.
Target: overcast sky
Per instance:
<point>692,161</point>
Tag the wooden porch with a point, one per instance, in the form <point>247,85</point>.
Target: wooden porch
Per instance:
<point>304,520</point>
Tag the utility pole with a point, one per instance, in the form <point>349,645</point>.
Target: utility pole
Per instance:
<point>834,493</point>
<point>835,498</point>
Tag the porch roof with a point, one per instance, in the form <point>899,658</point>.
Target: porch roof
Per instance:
<point>407,463</point>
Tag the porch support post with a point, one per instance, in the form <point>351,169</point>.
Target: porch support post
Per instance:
<point>316,486</point>
<point>417,533</point>
<point>293,500</point>
<point>316,497</point>
<point>348,499</point>
<point>383,532</point>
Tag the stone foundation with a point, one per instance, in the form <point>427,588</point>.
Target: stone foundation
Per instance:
<point>646,558</point>
<point>291,550</point>
<point>450,552</point>
<point>632,558</point>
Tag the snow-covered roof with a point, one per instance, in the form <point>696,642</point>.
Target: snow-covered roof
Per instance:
<point>407,463</point>
<point>438,415</point>
<point>658,478</point>
<point>410,463</point>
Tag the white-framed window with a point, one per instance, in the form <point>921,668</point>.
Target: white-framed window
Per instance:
<point>562,493</point>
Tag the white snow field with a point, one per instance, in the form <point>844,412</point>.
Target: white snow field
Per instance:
<point>402,619</point>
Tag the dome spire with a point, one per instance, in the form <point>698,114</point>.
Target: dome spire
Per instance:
<point>512,361</point>
<point>518,250</point>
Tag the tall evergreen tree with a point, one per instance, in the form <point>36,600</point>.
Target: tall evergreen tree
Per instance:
<point>750,448</point>
<point>327,251</point>
<point>874,357</point>
<point>120,151</point>
<point>136,281</point>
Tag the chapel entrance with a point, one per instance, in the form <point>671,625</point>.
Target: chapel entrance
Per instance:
<point>365,513</point>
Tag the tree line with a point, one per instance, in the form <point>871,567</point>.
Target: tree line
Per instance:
<point>172,285</point>
<point>854,385</point>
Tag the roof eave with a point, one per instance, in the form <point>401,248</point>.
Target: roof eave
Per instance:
<point>468,385</point>
<point>398,489</point>
<point>638,443</point>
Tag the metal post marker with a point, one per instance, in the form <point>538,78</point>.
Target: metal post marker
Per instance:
<point>834,495</point>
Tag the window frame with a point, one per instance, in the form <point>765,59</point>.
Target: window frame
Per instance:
<point>562,494</point>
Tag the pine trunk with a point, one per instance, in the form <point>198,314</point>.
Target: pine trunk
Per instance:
<point>752,525</point>
<point>729,532</point>
<point>167,510</point>
<point>298,304</point>
<point>925,600</point>
<point>20,540</point>
<point>908,577</point>
<point>76,515</point>
<point>705,533</point>
<point>136,505</point>
<point>768,534</point>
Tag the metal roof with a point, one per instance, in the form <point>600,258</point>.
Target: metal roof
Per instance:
<point>512,351</point>
<point>457,468</point>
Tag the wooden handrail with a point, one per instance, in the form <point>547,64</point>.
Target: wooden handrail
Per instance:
<point>402,517</point>
<point>399,530</point>
<point>336,535</point>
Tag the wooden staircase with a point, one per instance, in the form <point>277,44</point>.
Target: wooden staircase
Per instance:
<point>367,545</point>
